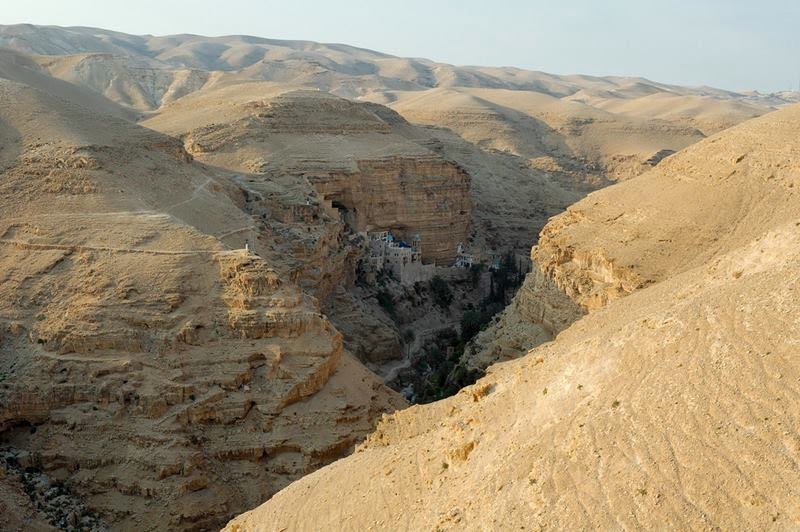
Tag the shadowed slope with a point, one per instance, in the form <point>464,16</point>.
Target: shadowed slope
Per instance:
<point>145,364</point>
<point>676,406</point>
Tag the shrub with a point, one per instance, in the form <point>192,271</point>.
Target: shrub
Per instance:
<point>475,272</point>
<point>442,295</point>
<point>386,301</point>
<point>471,324</point>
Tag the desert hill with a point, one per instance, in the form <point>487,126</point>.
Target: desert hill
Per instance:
<point>718,195</point>
<point>346,151</point>
<point>565,135</point>
<point>345,70</point>
<point>277,133</point>
<point>589,127</point>
<point>707,115</point>
<point>21,68</point>
<point>715,196</point>
<point>571,133</point>
<point>692,425</point>
<point>185,272</point>
<point>146,357</point>
<point>296,147</point>
<point>587,144</point>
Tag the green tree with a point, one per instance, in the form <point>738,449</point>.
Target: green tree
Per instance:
<point>386,301</point>
<point>471,324</point>
<point>475,272</point>
<point>442,295</point>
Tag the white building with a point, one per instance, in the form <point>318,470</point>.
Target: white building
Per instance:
<point>463,260</point>
<point>404,260</point>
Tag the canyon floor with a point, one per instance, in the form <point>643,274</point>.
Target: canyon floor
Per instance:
<point>192,322</point>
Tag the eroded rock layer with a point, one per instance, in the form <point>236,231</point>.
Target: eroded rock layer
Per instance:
<point>713,196</point>
<point>354,156</point>
<point>676,405</point>
<point>143,363</point>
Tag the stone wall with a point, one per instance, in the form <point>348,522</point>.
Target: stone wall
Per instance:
<point>423,195</point>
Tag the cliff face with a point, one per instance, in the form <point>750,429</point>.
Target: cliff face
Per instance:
<point>709,198</point>
<point>567,281</point>
<point>642,413</point>
<point>420,195</point>
<point>537,313</point>
<point>355,157</point>
<point>316,170</point>
<point>144,363</point>
<point>140,409</point>
<point>662,406</point>
<point>584,273</point>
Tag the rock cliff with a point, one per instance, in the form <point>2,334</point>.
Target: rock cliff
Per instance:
<point>715,195</point>
<point>708,198</point>
<point>675,405</point>
<point>423,196</point>
<point>353,156</point>
<point>144,364</point>
<point>537,313</point>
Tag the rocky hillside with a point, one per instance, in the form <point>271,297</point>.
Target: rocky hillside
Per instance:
<point>676,404</point>
<point>715,196</point>
<point>583,129</point>
<point>320,171</point>
<point>179,299</point>
<point>533,142</point>
<point>343,155</point>
<point>582,145</point>
<point>145,364</point>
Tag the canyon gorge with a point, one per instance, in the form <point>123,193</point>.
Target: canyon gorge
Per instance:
<point>196,331</point>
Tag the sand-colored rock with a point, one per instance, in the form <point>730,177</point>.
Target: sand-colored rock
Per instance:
<point>15,66</point>
<point>348,154</point>
<point>674,406</point>
<point>702,202</point>
<point>709,115</point>
<point>341,69</point>
<point>172,380</point>
<point>537,313</point>
<point>582,144</point>
<point>144,362</point>
<point>718,194</point>
<point>370,336</point>
<point>544,140</point>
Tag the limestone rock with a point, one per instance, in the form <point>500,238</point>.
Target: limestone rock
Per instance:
<point>673,404</point>
<point>709,198</point>
<point>144,363</point>
<point>357,159</point>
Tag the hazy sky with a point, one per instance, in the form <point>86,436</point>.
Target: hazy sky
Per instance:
<point>733,44</point>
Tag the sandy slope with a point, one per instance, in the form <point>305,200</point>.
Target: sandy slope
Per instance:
<point>691,207</point>
<point>660,408</point>
<point>675,406</point>
<point>573,132</point>
<point>21,68</point>
<point>709,115</point>
<point>715,196</point>
<point>144,362</point>
<point>563,137</point>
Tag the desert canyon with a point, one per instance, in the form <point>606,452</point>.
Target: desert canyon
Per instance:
<point>241,277</point>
